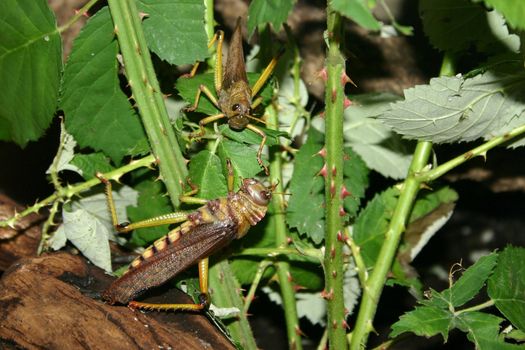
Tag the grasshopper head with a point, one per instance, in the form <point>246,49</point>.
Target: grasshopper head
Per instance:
<point>239,113</point>
<point>259,193</point>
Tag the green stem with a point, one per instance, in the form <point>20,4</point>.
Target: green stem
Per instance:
<point>333,260</point>
<point>281,239</point>
<point>77,16</point>
<point>477,151</point>
<point>376,282</point>
<point>149,98</point>
<point>312,254</point>
<point>68,192</point>
<point>478,307</point>
<point>263,265</point>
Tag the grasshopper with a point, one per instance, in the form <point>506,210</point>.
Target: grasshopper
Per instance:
<point>202,233</point>
<point>235,96</point>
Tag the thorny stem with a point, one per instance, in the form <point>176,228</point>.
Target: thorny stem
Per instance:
<point>149,98</point>
<point>42,245</point>
<point>263,265</point>
<point>333,260</point>
<point>77,16</point>
<point>311,254</point>
<point>362,272</point>
<point>374,285</point>
<point>66,193</point>
<point>281,240</point>
<point>373,288</point>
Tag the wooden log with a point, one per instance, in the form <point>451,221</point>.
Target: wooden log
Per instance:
<point>51,302</point>
<point>22,240</point>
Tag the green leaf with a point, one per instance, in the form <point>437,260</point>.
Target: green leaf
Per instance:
<point>251,138</point>
<point>355,180</point>
<point>452,109</point>
<point>507,285</point>
<point>371,224</point>
<point>429,200</point>
<point>188,88</point>
<point>90,164</point>
<point>449,23</point>
<point>358,11</point>
<point>380,148</point>
<point>513,10</point>
<point>175,30</point>
<point>87,224</point>
<point>243,160</point>
<point>30,67</point>
<point>424,321</point>
<point>306,210</point>
<point>152,201</point>
<point>268,11</point>
<point>206,172</point>
<point>472,280</point>
<point>98,113</point>
<point>483,330</point>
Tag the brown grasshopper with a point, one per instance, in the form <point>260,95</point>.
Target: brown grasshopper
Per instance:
<point>202,233</point>
<point>235,96</point>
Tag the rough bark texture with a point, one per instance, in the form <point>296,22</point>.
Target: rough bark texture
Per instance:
<point>50,302</point>
<point>20,241</point>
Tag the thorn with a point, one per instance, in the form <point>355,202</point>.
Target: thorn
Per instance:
<point>85,14</point>
<point>334,171</point>
<point>322,152</point>
<point>298,331</point>
<point>332,188</point>
<point>323,172</point>
<point>322,115</point>
<point>345,79</point>
<point>322,74</point>
<point>289,277</point>
<point>334,274</point>
<point>334,324</point>
<point>341,237</point>
<point>342,211</point>
<point>157,160</point>
<point>344,192</point>
<point>115,30</point>
<point>334,95</point>
<point>345,325</point>
<point>346,103</point>
<point>327,296</point>
<point>298,288</point>
<point>289,240</point>
<point>332,252</point>
<point>143,15</point>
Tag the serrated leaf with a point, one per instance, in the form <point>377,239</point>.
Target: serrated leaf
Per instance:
<point>206,172</point>
<point>188,88</point>
<point>152,201</point>
<point>371,224</point>
<point>175,30</point>
<point>30,69</point>
<point>424,321</point>
<point>90,164</point>
<point>448,25</point>
<point>483,330</point>
<point>513,10</point>
<point>507,285</point>
<point>243,160</point>
<point>88,224</point>
<point>62,160</point>
<point>251,138</point>
<point>380,148</point>
<point>98,113</point>
<point>305,210</point>
<point>355,180</point>
<point>268,11</point>
<point>452,109</point>
<point>358,11</point>
<point>472,280</point>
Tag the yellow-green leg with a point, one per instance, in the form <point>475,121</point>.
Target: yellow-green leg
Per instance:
<point>261,146</point>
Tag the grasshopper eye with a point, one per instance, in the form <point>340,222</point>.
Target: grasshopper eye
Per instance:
<point>236,107</point>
